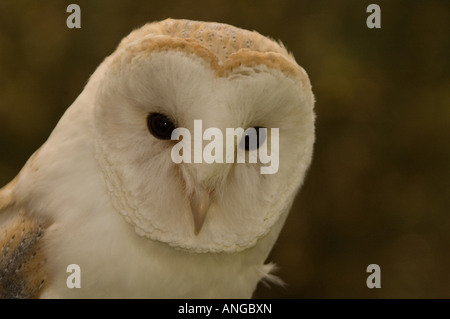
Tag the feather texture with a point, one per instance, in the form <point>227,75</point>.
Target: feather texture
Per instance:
<point>22,262</point>
<point>104,194</point>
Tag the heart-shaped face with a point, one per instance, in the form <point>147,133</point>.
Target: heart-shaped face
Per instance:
<point>177,75</point>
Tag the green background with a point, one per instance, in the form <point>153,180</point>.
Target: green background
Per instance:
<point>378,190</point>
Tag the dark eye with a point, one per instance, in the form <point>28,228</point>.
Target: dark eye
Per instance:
<point>160,126</point>
<point>253,138</point>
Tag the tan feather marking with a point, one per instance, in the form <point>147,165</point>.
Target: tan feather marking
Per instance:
<point>22,262</point>
<point>224,38</point>
<point>224,47</point>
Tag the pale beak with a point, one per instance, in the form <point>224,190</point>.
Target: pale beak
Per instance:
<point>200,201</point>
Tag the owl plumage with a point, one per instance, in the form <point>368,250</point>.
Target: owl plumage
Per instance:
<point>103,192</point>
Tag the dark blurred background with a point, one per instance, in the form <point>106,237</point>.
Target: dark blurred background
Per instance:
<point>378,190</point>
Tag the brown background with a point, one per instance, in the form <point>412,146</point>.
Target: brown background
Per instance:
<point>378,189</point>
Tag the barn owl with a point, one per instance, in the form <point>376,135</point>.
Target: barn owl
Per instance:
<point>104,194</point>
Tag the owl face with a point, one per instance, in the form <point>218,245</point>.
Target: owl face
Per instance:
<point>159,79</point>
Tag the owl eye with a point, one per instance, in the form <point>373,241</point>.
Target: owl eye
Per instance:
<point>160,126</point>
<point>253,138</point>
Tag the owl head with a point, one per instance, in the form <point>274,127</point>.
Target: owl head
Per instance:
<point>173,74</point>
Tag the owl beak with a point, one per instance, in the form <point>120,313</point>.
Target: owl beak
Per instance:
<point>200,202</point>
